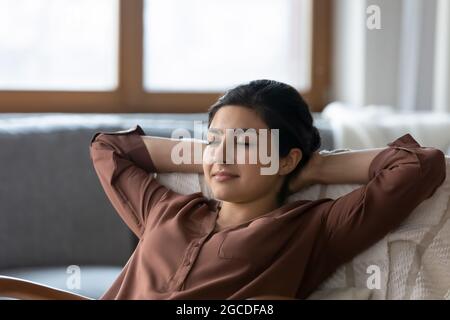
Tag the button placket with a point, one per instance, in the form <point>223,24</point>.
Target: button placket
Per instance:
<point>188,262</point>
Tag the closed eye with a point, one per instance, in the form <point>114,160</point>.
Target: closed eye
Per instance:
<point>215,142</point>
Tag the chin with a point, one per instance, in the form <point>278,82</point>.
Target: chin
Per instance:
<point>224,195</point>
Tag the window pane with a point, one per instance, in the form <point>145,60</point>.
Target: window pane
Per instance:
<point>58,44</point>
<point>205,45</point>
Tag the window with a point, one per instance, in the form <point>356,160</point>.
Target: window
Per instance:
<point>204,45</point>
<point>58,45</point>
<point>157,55</point>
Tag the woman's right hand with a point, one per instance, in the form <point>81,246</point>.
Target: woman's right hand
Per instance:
<point>308,175</point>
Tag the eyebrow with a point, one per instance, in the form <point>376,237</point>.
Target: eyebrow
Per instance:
<point>220,131</point>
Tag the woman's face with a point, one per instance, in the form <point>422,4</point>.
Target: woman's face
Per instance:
<point>249,184</point>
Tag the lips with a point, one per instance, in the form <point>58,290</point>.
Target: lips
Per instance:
<point>225,174</point>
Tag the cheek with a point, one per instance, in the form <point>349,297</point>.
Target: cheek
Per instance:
<point>251,176</point>
<point>206,170</point>
<point>207,157</point>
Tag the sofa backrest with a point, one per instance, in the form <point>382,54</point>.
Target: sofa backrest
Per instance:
<point>53,210</point>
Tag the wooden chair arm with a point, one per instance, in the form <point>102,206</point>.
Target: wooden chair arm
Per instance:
<point>16,288</point>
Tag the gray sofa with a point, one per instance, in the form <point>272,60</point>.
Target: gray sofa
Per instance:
<point>53,211</point>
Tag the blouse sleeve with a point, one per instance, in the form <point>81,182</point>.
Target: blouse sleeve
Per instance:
<point>125,170</point>
<point>401,177</point>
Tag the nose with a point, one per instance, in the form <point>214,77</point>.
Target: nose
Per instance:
<point>220,154</point>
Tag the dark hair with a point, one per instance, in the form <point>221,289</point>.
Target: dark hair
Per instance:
<point>281,107</point>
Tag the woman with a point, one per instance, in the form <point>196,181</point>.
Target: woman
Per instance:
<point>247,242</point>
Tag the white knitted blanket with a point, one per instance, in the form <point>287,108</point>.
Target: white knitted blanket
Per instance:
<point>411,262</point>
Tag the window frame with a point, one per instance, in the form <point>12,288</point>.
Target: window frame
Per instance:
<point>130,95</point>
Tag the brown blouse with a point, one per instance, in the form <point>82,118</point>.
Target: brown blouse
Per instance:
<point>288,251</point>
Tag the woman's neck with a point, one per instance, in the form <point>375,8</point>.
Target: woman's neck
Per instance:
<point>235,213</point>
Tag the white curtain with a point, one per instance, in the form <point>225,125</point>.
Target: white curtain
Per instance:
<point>441,94</point>
<point>405,64</point>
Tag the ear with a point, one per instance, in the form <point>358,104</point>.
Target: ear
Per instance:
<point>290,161</point>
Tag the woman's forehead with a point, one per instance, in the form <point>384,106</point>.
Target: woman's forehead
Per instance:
<point>237,117</point>
<point>221,131</point>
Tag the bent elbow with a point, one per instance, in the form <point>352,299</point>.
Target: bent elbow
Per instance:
<point>434,169</point>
